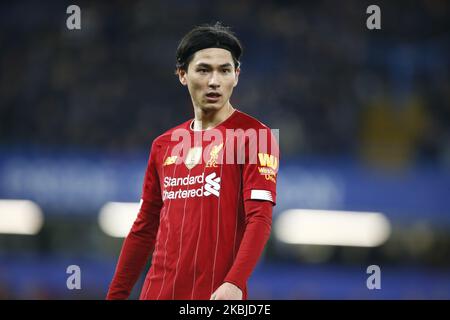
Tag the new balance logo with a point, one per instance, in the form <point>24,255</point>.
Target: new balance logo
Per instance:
<point>170,160</point>
<point>212,185</point>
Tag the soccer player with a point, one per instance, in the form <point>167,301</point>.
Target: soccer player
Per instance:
<point>206,207</point>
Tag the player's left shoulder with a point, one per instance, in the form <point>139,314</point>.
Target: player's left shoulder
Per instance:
<point>246,121</point>
<point>262,133</point>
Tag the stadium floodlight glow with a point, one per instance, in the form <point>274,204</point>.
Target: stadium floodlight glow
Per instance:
<point>335,228</point>
<point>20,217</point>
<point>116,218</point>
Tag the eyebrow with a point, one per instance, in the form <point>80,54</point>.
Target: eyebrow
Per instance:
<point>225,65</point>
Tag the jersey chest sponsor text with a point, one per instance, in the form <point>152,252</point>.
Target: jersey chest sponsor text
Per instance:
<point>201,186</point>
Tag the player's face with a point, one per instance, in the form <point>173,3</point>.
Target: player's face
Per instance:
<point>210,78</point>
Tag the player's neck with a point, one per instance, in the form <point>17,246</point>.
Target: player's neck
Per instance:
<point>207,119</point>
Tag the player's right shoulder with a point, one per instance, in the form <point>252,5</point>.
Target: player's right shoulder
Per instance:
<point>166,137</point>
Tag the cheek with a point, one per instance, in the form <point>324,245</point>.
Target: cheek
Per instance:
<point>230,86</point>
<point>195,85</point>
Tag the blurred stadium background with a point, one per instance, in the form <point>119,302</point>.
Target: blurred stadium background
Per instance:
<point>364,119</point>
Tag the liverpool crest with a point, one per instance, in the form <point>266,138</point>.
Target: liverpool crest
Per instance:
<point>212,162</point>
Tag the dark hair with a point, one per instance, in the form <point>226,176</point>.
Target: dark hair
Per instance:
<point>207,36</point>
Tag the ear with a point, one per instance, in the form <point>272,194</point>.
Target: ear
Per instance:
<point>182,76</point>
<point>236,78</point>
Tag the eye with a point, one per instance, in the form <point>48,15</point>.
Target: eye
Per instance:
<point>202,70</point>
<point>226,70</point>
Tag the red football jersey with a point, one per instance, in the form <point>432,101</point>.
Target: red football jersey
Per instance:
<point>196,189</point>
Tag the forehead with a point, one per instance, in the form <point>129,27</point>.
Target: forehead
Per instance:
<point>212,56</point>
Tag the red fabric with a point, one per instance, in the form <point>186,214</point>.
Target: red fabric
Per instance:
<point>200,219</point>
<point>257,231</point>
<point>135,251</point>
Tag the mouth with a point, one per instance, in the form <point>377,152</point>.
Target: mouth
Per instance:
<point>213,96</point>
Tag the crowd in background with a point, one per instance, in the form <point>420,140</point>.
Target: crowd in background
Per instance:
<point>313,70</point>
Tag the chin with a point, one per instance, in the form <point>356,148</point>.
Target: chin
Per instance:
<point>211,106</point>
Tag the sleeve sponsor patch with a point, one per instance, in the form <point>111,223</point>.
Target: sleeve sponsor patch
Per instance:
<point>268,166</point>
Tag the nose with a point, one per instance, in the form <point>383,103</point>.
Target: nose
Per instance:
<point>214,80</point>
